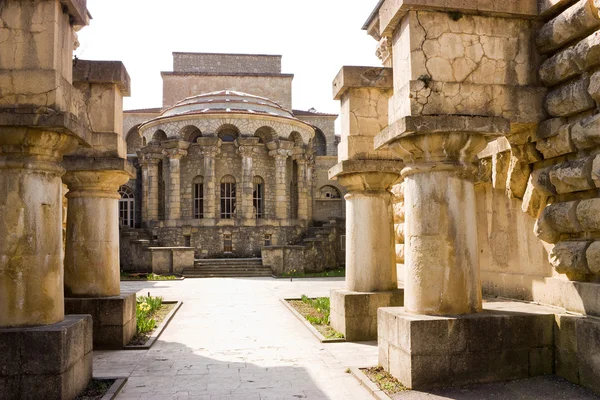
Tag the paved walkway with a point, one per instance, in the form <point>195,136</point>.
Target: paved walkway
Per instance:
<point>233,339</point>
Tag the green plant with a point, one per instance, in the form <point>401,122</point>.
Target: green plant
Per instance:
<point>321,305</point>
<point>145,308</point>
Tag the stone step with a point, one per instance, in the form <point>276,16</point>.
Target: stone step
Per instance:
<point>194,273</point>
<point>228,261</point>
<point>217,269</point>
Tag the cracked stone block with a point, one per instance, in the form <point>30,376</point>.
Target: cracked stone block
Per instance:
<point>518,177</point>
<point>557,218</point>
<point>549,127</point>
<point>572,176</point>
<point>588,214</point>
<point>586,133</point>
<point>541,181</point>
<point>572,61</point>
<point>569,25</point>
<point>570,257</point>
<point>557,145</point>
<point>596,170</point>
<point>500,165</point>
<point>533,200</point>
<point>570,98</point>
<point>592,255</point>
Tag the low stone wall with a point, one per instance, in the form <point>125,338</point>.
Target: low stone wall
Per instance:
<point>284,259</point>
<point>171,260</point>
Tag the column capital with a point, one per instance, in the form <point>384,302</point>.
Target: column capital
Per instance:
<point>174,154</point>
<point>210,151</point>
<point>246,151</point>
<point>280,154</point>
<point>95,183</point>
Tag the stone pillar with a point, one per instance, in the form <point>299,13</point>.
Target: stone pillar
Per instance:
<point>144,165</point>
<point>94,175</point>
<point>245,150</point>
<point>280,151</point>
<point>92,250</point>
<point>44,354</point>
<point>175,151</point>
<point>303,189</point>
<point>210,150</point>
<point>151,157</point>
<point>441,227</point>
<point>368,174</point>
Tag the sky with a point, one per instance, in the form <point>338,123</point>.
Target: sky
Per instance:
<point>315,37</point>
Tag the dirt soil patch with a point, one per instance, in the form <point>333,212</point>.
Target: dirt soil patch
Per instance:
<point>384,380</point>
<point>159,315</point>
<point>311,314</point>
<point>96,389</point>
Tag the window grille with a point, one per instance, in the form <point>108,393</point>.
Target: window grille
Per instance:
<point>258,197</point>
<point>127,207</point>
<point>198,197</point>
<point>228,197</point>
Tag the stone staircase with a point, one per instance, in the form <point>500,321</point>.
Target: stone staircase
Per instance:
<point>227,268</point>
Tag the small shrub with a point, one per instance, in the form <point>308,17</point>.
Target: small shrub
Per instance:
<point>145,308</point>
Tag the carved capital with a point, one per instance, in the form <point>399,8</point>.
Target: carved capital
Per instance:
<point>280,154</point>
<point>210,151</point>
<point>384,50</point>
<point>246,151</point>
<point>174,154</point>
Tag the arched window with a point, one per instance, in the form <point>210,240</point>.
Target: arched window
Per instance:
<point>329,192</point>
<point>228,197</point>
<point>198,190</point>
<point>126,207</point>
<point>258,196</point>
<point>319,143</point>
<point>191,133</point>
<point>159,136</point>
<point>228,133</point>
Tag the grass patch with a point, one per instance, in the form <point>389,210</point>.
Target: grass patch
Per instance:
<point>384,380</point>
<point>316,311</point>
<point>149,313</point>
<point>340,272</point>
<point>96,389</point>
<point>147,277</point>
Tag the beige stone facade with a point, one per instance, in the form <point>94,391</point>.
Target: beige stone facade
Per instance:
<point>226,166</point>
<point>489,110</point>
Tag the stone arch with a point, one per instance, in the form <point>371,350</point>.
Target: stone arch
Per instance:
<point>319,143</point>
<point>266,134</point>
<point>329,192</point>
<point>190,133</point>
<point>296,138</point>
<point>228,133</point>
<point>159,136</point>
<point>134,140</point>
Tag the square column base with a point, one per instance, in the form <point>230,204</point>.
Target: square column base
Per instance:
<point>424,351</point>
<point>46,362</point>
<point>114,318</point>
<point>354,314</point>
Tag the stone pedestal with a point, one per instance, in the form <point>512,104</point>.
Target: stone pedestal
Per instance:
<point>354,314</point>
<point>46,362</point>
<point>371,279</point>
<point>495,345</point>
<point>113,318</point>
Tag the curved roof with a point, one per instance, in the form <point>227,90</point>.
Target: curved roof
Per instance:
<point>227,101</point>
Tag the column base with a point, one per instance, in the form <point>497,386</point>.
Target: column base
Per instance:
<point>424,351</point>
<point>46,362</point>
<point>354,314</point>
<point>113,318</point>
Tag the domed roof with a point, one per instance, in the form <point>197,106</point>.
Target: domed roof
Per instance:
<point>227,101</point>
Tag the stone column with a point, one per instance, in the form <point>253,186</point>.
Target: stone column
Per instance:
<point>303,189</point>
<point>247,210</point>
<point>210,150</point>
<point>31,269</point>
<point>441,257</point>
<point>152,155</point>
<point>92,250</point>
<point>45,354</point>
<point>144,165</point>
<point>174,153</point>
<point>282,199</point>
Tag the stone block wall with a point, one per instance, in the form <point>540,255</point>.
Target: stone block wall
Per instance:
<point>226,63</point>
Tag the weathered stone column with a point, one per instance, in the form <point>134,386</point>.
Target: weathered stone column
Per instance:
<point>44,354</point>
<point>151,157</point>
<point>210,150</point>
<point>302,187</point>
<point>92,250</point>
<point>175,151</point>
<point>371,278</point>
<point>280,151</point>
<point>245,150</point>
<point>94,175</point>
<point>144,165</point>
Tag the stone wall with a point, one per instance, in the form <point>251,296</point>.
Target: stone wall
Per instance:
<point>323,208</point>
<point>226,63</point>
<point>178,86</point>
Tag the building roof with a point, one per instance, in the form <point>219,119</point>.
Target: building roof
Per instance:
<point>155,110</point>
<point>227,101</point>
<point>302,113</point>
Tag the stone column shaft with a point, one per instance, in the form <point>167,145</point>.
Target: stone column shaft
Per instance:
<point>370,255</point>
<point>92,248</point>
<point>153,185</point>
<point>145,193</point>
<point>173,194</point>
<point>31,262</point>
<point>247,186</point>
<point>302,190</point>
<point>210,210</point>
<point>281,191</point>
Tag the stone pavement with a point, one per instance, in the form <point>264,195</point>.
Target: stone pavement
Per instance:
<point>233,339</point>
